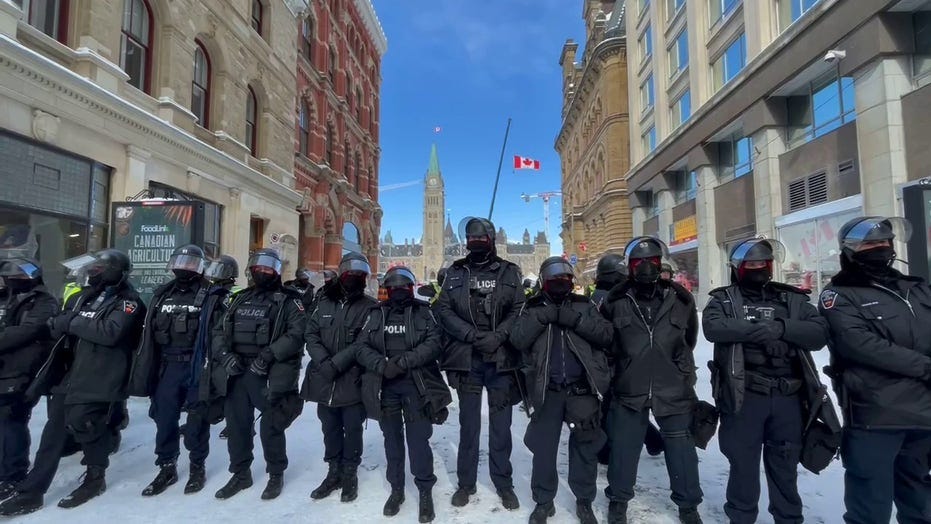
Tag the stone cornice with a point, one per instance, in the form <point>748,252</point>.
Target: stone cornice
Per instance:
<point>129,119</point>
<point>605,49</point>
<point>367,11</point>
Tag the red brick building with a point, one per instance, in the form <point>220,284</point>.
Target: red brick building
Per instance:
<point>340,44</point>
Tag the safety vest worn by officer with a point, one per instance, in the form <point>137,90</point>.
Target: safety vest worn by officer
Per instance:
<point>71,289</point>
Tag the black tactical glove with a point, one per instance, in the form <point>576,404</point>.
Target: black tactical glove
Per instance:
<point>766,331</point>
<point>60,324</point>
<point>233,364</point>
<point>261,363</point>
<point>327,370</point>
<point>568,317</point>
<point>550,314</point>
<point>778,349</point>
<point>393,369</point>
<point>487,342</point>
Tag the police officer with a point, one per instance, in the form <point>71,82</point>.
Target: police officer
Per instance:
<point>563,337</point>
<point>666,272</point>
<point>86,376</point>
<point>259,344</point>
<point>611,271</point>
<point>25,309</point>
<point>655,331</point>
<point>880,343</point>
<point>330,279</point>
<point>762,331</point>
<point>221,275</point>
<point>166,368</point>
<point>332,328</point>
<point>399,347</point>
<point>301,284</point>
<point>481,298</point>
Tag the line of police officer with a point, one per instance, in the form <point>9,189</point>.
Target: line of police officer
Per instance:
<point>601,368</point>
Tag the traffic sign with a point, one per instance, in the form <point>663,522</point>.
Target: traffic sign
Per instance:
<point>573,259</point>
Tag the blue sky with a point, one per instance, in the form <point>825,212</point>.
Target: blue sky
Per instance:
<point>466,66</point>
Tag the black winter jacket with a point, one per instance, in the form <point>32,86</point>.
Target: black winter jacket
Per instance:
<point>880,345</point>
<point>285,340</point>
<point>454,314</point>
<point>91,360</point>
<point>654,365</point>
<point>25,341</point>
<point>724,325</point>
<point>533,335</point>
<point>332,328</point>
<point>420,360</point>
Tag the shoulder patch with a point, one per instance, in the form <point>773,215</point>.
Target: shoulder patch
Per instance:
<point>129,307</point>
<point>299,304</point>
<point>828,298</point>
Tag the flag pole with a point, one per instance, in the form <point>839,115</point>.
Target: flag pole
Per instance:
<point>494,193</point>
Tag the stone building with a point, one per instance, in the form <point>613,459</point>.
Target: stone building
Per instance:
<point>594,140</point>
<point>108,99</point>
<point>336,150</point>
<point>778,118</point>
<point>439,247</point>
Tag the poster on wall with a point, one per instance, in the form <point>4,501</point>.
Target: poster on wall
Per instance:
<point>148,231</point>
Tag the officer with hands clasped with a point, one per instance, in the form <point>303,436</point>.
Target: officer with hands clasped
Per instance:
<point>562,337</point>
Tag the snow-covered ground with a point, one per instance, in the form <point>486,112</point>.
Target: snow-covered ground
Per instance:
<point>133,467</point>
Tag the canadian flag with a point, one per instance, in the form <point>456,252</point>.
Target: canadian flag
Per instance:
<point>521,162</point>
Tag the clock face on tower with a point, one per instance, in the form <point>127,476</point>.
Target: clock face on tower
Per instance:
<point>432,181</point>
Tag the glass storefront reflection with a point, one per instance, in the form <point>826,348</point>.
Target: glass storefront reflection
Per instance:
<point>812,251</point>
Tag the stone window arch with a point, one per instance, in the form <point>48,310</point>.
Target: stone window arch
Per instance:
<point>252,121</point>
<point>200,85</point>
<point>137,44</point>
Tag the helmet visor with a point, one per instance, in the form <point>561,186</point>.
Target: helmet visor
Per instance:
<point>353,265</point>
<point>191,263</point>
<point>399,277</point>
<point>758,249</point>
<point>556,269</point>
<point>872,230</point>
<point>475,227</point>
<point>646,247</point>
<point>19,268</point>
<point>218,270</point>
<point>266,261</point>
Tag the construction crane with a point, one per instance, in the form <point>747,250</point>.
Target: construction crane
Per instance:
<point>545,196</point>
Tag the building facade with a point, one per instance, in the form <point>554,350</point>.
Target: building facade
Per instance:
<point>336,151</point>
<point>594,140</point>
<point>107,100</point>
<point>774,118</point>
<point>440,246</point>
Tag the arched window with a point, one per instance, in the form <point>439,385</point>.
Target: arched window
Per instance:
<point>308,38</point>
<point>48,16</point>
<point>346,163</point>
<point>332,65</point>
<point>329,144</point>
<point>304,119</point>
<point>352,240</point>
<point>200,86</point>
<point>258,13</point>
<point>136,55</point>
<point>251,114</point>
<point>359,105</point>
<point>349,90</point>
<point>357,175</point>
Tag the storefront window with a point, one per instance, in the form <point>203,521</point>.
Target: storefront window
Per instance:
<point>812,255</point>
<point>686,269</point>
<point>45,238</point>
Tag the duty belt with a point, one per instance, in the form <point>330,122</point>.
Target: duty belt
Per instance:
<point>579,387</point>
<point>767,385</point>
<point>177,357</point>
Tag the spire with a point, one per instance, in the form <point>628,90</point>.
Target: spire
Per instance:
<point>434,168</point>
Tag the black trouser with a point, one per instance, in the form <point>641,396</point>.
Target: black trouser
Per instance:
<point>542,439</point>
<point>882,467</point>
<point>342,435</point>
<point>14,437</point>
<point>628,428</point>
<point>771,424</point>
<point>245,394</point>
<point>499,424</point>
<point>87,423</point>
<point>171,396</point>
<point>403,414</point>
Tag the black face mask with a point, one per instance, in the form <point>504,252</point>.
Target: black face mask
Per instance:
<point>352,285</point>
<point>400,296</point>
<point>95,280</point>
<point>755,278</point>
<point>184,276</point>
<point>646,272</point>
<point>558,290</point>
<point>875,261</point>
<point>478,248</point>
<point>19,285</point>
<point>265,280</point>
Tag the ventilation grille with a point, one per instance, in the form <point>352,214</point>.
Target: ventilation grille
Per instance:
<point>797,197</point>
<point>808,191</point>
<point>817,189</point>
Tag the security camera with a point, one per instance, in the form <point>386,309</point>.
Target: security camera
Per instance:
<point>834,55</point>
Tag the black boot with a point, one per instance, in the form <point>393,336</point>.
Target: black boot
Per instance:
<point>426,506</point>
<point>237,483</point>
<point>617,513</point>
<point>461,496</point>
<point>330,484</point>
<point>508,498</point>
<point>542,512</point>
<point>393,504</point>
<point>274,486</point>
<point>196,480</point>
<point>349,485</point>
<point>167,475</point>
<point>583,510</point>
<point>21,504</point>
<point>93,484</point>
<point>7,489</point>
<point>689,516</point>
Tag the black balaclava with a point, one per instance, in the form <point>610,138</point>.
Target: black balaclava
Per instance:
<point>400,296</point>
<point>18,286</point>
<point>184,277</point>
<point>875,262</point>
<point>557,288</point>
<point>755,278</point>
<point>265,281</point>
<point>353,285</point>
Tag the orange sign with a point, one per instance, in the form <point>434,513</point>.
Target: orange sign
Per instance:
<point>685,230</point>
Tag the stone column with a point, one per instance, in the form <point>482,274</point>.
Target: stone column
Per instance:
<point>132,179</point>
<point>710,260</point>
<point>880,133</point>
<point>666,200</point>
<point>638,216</point>
<point>767,187</point>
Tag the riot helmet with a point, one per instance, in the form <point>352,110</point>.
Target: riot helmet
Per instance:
<point>222,270</point>
<point>867,242</point>
<point>110,267</point>
<point>399,284</point>
<point>265,268</point>
<point>752,261</point>
<point>556,274</point>
<point>479,234</point>
<point>353,273</point>
<point>303,275</point>
<point>645,256</point>
<point>611,269</point>
<point>665,271</point>
<point>20,275</point>
<point>187,263</point>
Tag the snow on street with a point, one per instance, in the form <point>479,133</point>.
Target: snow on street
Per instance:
<point>133,468</point>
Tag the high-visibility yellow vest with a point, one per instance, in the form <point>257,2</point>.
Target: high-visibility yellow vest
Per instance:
<point>71,289</point>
